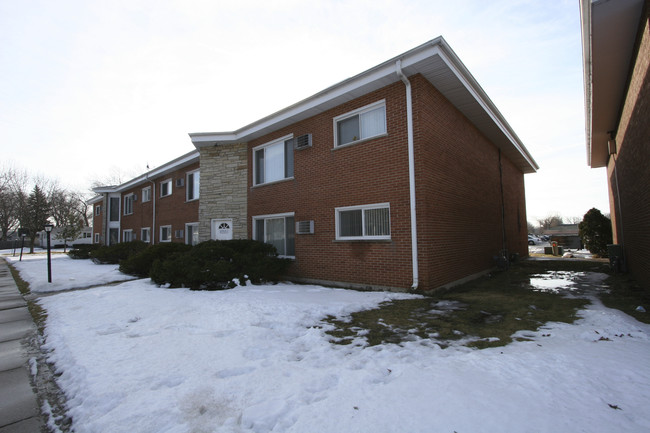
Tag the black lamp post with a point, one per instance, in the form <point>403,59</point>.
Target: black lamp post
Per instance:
<point>48,230</point>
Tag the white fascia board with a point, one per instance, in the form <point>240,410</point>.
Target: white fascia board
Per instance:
<point>170,166</point>
<point>585,22</point>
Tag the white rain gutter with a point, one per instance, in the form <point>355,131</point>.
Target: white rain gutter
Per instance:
<point>409,129</point>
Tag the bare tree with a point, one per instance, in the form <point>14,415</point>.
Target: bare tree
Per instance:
<point>550,222</point>
<point>11,182</point>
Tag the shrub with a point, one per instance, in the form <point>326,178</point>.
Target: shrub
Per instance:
<point>113,254</point>
<point>139,264</point>
<point>596,232</point>
<point>82,251</point>
<point>212,265</point>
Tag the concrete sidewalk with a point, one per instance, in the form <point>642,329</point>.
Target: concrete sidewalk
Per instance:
<point>19,409</point>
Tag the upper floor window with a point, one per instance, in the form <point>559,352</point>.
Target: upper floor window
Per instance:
<point>128,204</point>
<point>146,194</point>
<point>193,181</point>
<point>273,161</point>
<point>98,210</point>
<point>114,209</point>
<point>360,124</point>
<point>363,222</point>
<point>166,188</point>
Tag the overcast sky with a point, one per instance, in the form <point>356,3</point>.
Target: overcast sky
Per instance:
<point>91,89</point>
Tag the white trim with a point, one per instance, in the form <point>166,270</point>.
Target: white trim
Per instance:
<point>359,112</point>
<point>264,146</point>
<point>171,235</point>
<point>187,232</point>
<point>171,185</point>
<point>274,216</point>
<point>148,230</point>
<point>146,188</point>
<point>338,210</point>
<point>128,197</point>
<point>187,185</point>
<point>124,232</point>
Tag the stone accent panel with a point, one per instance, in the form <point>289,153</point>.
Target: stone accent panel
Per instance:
<point>224,175</point>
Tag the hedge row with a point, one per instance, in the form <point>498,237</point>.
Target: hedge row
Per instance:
<point>211,265</point>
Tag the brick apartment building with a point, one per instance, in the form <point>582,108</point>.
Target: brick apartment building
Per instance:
<point>616,55</point>
<point>405,176</point>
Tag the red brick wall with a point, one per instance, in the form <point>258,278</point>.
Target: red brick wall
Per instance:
<point>172,210</point>
<point>458,193</point>
<point>632,164</point>
<point>457,179</point>
<point>98,222</point>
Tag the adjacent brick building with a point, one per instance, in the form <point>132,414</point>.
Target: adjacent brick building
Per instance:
<point>616,54</point>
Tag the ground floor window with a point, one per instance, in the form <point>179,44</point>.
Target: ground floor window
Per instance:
<point>277,230</point>
<point>192,233</point>
<point>165,233</point>
<point>113,236</point>
<point>145,234</point>
<point>363,222</point>
<point>127,236</point>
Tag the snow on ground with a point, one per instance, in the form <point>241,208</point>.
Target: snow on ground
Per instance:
<point>138,358</point>
<point>66,273</point>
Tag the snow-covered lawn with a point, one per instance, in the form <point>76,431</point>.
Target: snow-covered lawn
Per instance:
<point>138,358</point>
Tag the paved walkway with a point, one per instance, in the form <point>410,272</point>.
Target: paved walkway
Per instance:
<point>19,410</point>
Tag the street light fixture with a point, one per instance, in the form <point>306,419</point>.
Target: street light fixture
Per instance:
<point>48,230</point>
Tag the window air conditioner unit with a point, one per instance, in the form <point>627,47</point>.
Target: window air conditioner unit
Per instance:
<point>178,234</point>
<point>303,141</point>
<point>180,182</point>
<point>305,227</point>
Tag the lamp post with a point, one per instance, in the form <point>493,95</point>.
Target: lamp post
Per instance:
<point>48,230</point>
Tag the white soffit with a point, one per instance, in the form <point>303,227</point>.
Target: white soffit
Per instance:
<point>436,61</point>
<point>613,25</point>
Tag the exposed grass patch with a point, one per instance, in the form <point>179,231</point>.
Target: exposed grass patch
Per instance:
<point>482,313</point>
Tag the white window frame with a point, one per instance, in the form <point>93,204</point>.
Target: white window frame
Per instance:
<point>96,238</point>
<point>146,194</point>
<point>290,225</point>
<point>363,208</point>
<point>194,185</point>
<point>288,174</point>
<point>130,234</point>
<point>189,232</point>
<point>169,233</point>
<point>359,112</point>
<point>167,182</point>
<point>98,210</point>
<point>146,238</point>
<point>128,204</point>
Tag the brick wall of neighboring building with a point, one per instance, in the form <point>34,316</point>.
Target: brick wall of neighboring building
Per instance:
<point>98,220</point>
<point>223,188</point>
<point>632,223</point>
<point>458,194</point>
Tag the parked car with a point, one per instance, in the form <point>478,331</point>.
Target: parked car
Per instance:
<point>532,240</point>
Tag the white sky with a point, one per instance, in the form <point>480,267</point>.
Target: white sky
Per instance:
<point>91,88</point>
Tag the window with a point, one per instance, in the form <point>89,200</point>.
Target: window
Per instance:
<point>145,234</point>
<point>165,233</point>
<point>146,194</point>
<point>363,222</point>
<point>273,161</point>
<point>193,179</point>
<point>361,124</point>
<point>128,204</point>
<point>192,233</point>
<point>166,188</point>
<point>113,235</point>
<point>98,210</point>
<point>114,203</point>
<point>277,230</point>
<point>96,238</point>
<point>127,236</point>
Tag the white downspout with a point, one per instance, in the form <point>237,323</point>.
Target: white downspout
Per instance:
<point>409,129</point>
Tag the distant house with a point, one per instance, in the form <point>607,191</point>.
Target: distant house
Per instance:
<point>566,235</point>
<point>616,54</point>
<point>405,176</point>
<point>56,241</point>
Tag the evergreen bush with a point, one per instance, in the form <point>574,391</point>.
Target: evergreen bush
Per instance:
<point>139,264</point>
<point>213,265</point>
<point>113,254</point>
<point>82,251</point>
<point>596,232</point>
